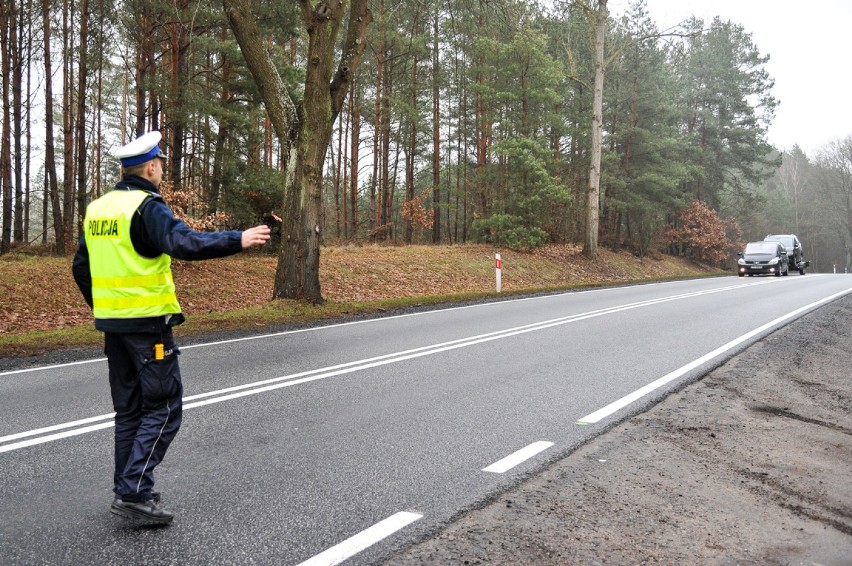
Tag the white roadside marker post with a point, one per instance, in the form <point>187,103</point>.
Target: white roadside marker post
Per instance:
<point>498,264</point>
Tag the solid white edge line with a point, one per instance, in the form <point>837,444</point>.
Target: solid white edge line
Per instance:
<point>519,457</point>
<point>258,386</point>
<point>366,538</point>
<point>641,392</point>
<point>351,367</point>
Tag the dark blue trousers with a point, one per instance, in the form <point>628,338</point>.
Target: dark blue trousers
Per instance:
<point>147,395</point>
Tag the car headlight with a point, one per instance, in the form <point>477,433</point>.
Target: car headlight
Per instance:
<point>773,261</point>
<point>741,261</point>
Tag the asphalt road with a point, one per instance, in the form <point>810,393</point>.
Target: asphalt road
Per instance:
<point>358,439</point>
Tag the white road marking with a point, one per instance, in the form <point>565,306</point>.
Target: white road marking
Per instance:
<point>336,325</point>
<point>52,437</point>
<point>654,385</point>
<point>255,388</point>
<point>366,538</point>
<point>297,331</point>
<point>519,457</point>
<point>47,429</point>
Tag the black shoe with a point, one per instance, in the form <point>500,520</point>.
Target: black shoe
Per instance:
<point>147,511</point>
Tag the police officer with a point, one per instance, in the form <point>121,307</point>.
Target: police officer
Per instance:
<point>122,267</point>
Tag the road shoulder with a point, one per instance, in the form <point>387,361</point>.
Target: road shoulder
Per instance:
<point>752,464</point>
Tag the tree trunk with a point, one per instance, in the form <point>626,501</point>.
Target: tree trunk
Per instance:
<point>49,149</point>
<point>353,160</point>
<point>436,137</point>
<point>322,105</point>
<point>17,52</point>
<point>5,152</point>
<point>375,200</point>
<point>590,248</point>
<point>297,275</point>
<point>483,130</point>
<point>179,82</point>
<point>28,161</point>
<point>323,24</point>
<point>144,68</point>
<point>339,215</point>
<point>81,115</point>
<point>411,150</point>
<point>344,162</point>
<point>386,202</point>
<point>97,189</point>
<point>68,115</point>
<point>290,270</point>
<point>214,196</point>
<point>285,121</point>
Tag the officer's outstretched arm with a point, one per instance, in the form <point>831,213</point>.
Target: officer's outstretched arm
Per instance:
<point>256,236</point>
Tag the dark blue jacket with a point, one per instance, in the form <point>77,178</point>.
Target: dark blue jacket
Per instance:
<point>154,230</point>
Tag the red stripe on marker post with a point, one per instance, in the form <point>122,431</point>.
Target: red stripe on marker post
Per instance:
<point>498,264</point>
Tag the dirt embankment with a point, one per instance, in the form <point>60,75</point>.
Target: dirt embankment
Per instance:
<point>39,293</point>
<point>750,465</point>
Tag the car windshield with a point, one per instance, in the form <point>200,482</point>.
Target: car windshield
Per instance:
<point>786,240</point>
<point>761,248</point>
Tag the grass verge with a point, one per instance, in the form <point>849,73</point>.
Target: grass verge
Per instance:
<point>282,312</point>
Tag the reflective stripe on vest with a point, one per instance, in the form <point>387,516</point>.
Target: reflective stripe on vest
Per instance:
<point>125,284</point>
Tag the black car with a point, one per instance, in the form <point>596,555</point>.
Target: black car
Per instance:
<point>763,258</point>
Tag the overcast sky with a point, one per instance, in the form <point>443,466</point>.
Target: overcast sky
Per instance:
<point>810,49</point>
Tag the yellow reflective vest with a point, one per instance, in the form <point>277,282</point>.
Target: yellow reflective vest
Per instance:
<point>124,283</point>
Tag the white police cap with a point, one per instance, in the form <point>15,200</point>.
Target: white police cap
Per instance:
<point>144,148</point>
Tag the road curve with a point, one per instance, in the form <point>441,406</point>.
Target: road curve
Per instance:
<point>350,441</point>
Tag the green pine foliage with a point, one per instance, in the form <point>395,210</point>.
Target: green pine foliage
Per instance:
<point>685,117</point>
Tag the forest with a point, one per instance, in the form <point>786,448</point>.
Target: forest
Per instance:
<point>516,123</point>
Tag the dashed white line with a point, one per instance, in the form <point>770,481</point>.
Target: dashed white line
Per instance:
<point>366,538</point>
<point>519,457</point>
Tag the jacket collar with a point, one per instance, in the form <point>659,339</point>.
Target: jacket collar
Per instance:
<point>136,183</point>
